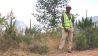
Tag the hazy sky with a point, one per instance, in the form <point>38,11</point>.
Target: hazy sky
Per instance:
<point>23,9</point>
<point>80,6</point>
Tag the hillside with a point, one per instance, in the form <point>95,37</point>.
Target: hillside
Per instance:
<point>95,19</point>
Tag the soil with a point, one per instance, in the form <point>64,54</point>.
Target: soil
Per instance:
<point>93,52</point>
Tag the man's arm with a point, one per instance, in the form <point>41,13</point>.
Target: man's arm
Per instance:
<point>74,24</point>
<point>62,19</point>
<point>73,19</point>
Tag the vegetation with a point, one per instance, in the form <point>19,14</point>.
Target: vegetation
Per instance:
<point>49,12</point>
<point>42,42</point>
<point>86,37</point>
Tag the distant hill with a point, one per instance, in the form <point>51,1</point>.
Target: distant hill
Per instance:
<point>95,19</point>
<point>20,26</point>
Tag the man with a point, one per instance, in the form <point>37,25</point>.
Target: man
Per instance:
<point>67,32</point>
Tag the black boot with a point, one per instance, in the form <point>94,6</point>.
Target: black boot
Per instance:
<point>69,51</point>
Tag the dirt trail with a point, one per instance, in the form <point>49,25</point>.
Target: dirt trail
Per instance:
<point>78,53</point>
<point>74,53</point>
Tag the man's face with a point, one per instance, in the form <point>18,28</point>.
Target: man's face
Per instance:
<point>68,9</point>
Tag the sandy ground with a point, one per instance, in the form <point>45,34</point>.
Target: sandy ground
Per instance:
<point>78,53</point>
<point>74,53</point>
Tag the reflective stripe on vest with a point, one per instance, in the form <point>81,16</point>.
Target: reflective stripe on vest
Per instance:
<point>67,22</point>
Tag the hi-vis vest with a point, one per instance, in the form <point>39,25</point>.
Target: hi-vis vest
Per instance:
<point>68,22</point>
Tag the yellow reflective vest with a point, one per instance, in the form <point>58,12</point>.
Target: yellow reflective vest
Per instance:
<point>68,22</point>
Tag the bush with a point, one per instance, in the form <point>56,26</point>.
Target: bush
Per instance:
<point>5,44</point>
<point>39,49</point>
<point>7,41</point>
<point>86,40</point>
<point>26,39</point>
<point>81,41</point>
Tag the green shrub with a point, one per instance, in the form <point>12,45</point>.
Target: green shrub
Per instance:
<point>39,49</point>
<point>86,40</point>
<point>95,33</point>
<point>26,39</point>
<point>81,41</point>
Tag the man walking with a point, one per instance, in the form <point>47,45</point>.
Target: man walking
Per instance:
<point>68,29</point>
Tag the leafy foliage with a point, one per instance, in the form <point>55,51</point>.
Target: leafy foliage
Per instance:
<point>86,38</point>
<point>85,24</point>
<point>10,26</point>
<point>49,11</point>
<point>2,20</point>
<point>34,30</point>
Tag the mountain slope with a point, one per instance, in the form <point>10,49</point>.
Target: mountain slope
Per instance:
<point>95,19</point>
<point>20,26</point>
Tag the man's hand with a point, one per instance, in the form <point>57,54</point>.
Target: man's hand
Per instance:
<point>74,33</point>
<point>66,30</point>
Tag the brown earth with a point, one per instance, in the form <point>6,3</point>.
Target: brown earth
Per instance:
<point>74,53</point>
<point>52,44</point>
<point>77,53</point>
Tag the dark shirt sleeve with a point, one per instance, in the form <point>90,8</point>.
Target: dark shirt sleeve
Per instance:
<point>62,19</point>
<point>73,19</point>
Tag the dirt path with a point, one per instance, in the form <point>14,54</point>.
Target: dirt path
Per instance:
<point>74,53</point>
<point>77,53</point>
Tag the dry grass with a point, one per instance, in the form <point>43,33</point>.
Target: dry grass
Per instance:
<point>52,43</point>
<point>17,53</point>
